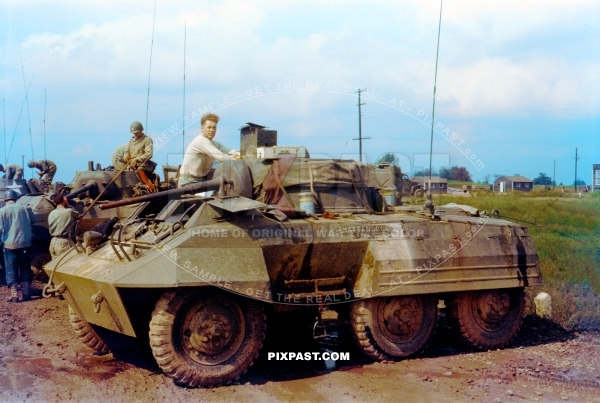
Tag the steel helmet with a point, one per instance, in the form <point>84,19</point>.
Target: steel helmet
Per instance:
<point>31,164</point>
<point>136,127</point>
<point>10,195</point>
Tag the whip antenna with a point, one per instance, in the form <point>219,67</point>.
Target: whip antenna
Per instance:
<point>26,99</point>
<point>4,124</point>
<point>150,67</point>
<point>44,123</point>
<point>21,112</point>
<point>429,203</point>
<point>183,123</point>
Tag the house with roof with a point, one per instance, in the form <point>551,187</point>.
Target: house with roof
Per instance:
<point>595,178</point>
<point>438,185</point>
<point>513,183</point>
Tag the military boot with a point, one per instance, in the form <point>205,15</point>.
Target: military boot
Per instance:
<point>25,287</point>
<point>14,294</point>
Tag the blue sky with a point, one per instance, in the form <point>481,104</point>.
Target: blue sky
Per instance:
<point>518,82</point>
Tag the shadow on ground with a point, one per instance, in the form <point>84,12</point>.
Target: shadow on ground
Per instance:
<point>294,334</point>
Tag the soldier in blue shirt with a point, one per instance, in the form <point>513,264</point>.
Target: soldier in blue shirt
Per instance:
<point>16,235</point>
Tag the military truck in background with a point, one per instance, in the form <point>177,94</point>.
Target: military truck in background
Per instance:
<point>387,176</point>
<point>284,233</point>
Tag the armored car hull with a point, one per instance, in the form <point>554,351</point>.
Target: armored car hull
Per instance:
<point>196,280</point>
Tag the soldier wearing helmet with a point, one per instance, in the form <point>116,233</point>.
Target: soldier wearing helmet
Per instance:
<point>138,153</point>
<point>47,170</point>
<point>60,224</point>
<point>12,171</point>
<point>16,234</point>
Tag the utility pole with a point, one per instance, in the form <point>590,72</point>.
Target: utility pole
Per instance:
<point>360,137</point>
<point>575,183</point>
<point>554,176</point>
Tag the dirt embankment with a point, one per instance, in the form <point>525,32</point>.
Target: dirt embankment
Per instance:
<point>41,360</point>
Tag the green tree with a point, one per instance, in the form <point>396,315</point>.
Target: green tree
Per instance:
<point>456,173</point>
<point>387,157</point>
<point>543,179</point>
<point>425,172</point>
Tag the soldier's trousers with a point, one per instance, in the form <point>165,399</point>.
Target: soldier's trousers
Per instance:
<point>18,266</point>
<point>58,246</point>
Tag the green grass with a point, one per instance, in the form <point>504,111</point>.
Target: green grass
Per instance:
<point>459,184</point>
<point>566,234</point>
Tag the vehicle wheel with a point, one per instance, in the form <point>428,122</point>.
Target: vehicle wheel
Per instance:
<point>388,328</point>
<point>419,193</point>
<point>488,319</point>
<point>86,333</point>
<point>205,338</point>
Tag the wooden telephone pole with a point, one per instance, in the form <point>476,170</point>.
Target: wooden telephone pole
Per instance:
<point>360,137</point>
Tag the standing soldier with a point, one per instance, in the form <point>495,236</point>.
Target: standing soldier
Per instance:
<point>16,234</point>
<point>12,171</point>
<point>118,160</point>
<point>47,169</point>
<point>60,223</point>
<point>138,153</point>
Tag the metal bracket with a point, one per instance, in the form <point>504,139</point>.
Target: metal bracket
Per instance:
<point>97,299</point>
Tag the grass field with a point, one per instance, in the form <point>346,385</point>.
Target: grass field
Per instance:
<point>566,232</point>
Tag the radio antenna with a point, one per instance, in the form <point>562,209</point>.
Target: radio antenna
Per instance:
<point>150,67</point>
<point>21,112</point>
<point>4,124</point>
<point>429,202</point>
<point>183,122</point>
<point>26,99</point>
<point>44,123</point>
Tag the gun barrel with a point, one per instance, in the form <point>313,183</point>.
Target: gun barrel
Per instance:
<point>81,190</point>
<point>213,184</point>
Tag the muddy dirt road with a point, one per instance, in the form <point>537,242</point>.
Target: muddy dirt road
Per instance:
<point>41,360</point>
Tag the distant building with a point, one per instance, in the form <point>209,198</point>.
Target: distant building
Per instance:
<point>595,178</point>
<point>438,185</point>
<point>509,183</point>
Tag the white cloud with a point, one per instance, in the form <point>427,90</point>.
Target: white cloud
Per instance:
<point>83,150</point>
<point>523,58</point>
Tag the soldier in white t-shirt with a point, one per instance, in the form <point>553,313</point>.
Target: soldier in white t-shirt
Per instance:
<point>202,153</point>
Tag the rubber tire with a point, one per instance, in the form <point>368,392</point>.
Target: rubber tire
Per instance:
<point>86,333</point>
<point>166,340</point>
<point>464,317</point>
<point>373,341</point>
<point>419,193</point>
